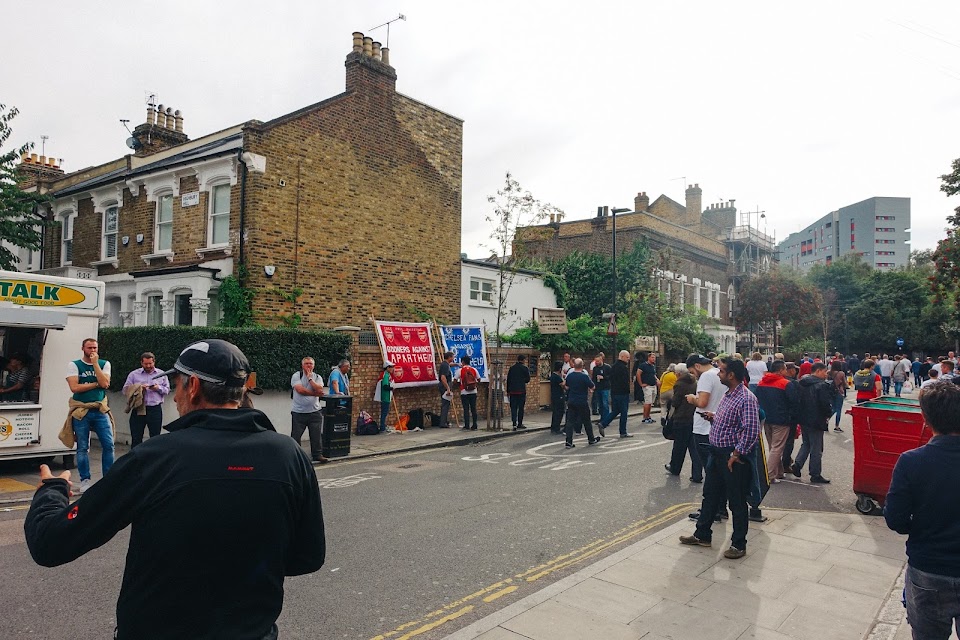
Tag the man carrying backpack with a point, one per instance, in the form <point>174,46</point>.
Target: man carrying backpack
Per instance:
<point>815,409</point>
<point>867,382</point>
<point>469,381</point>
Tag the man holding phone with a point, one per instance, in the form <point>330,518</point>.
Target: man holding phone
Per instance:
<point>734,432</point>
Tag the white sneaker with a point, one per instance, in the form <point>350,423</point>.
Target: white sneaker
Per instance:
<point>84,485</point>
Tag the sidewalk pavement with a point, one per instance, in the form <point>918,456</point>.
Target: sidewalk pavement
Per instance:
<point>806,576</point>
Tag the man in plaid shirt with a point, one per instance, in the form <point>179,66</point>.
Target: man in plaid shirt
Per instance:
<point>734,431</point>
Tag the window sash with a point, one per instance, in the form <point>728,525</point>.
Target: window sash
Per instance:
<point>220,215</point>
<point>164,233</point>
<point>110,233</point>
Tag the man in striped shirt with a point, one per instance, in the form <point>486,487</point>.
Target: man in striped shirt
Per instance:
<point>734,431</point>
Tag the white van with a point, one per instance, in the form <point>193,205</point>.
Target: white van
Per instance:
<point>43,320</point>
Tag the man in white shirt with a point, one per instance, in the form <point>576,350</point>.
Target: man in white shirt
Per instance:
<point>709,394</point>
<point>305,409</point>
<point>886,372</point>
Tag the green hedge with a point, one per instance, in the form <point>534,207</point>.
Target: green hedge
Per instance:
<point>274,353</point>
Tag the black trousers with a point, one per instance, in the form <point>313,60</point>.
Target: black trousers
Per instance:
<point>558,406</point>
<point>313,422</point>
<point>722,484</point>
<point>579,415</point>
<point>683,442</point>
<point>469,403</point>
<point>516,408</point>
<point>152,420</point>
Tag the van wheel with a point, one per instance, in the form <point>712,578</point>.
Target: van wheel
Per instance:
<point>68,462</point>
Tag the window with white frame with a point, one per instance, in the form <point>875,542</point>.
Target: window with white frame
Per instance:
<point>481,290</point>
<point>66,235</point>
<point>110,224</point>
<point>218,232</point>
<point>163,235</point>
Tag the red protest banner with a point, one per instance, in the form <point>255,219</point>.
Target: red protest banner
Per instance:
<point>409,347</point>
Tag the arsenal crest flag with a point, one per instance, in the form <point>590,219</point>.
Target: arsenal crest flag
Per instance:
<point>409,347</point>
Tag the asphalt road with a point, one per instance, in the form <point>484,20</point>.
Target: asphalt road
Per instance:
<point>424,543</point>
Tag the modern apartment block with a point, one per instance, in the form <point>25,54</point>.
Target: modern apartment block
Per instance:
<point>877,228</point>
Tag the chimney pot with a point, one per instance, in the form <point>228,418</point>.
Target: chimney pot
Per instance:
<point>169,118</point>
<point>376,50</point>
<point>357,42</point>
<point>178,121</point>
<point>24,157</point>
<point>151,114</point>
<point>385,55</point>
<point>161,117</point>
<point>367,46</point>
<point>34,158</point>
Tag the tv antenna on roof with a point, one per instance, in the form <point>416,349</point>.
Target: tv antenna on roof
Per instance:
<point>43,144</point>
<point>387,25</point>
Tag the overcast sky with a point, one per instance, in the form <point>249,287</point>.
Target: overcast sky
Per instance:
<point>795,110</point>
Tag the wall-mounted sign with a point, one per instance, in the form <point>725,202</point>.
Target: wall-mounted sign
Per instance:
<point>550,321</point>
<point>190,199</point>
<point>44,294</point>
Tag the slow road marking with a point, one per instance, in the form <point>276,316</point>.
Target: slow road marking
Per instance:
<point>489,594</point>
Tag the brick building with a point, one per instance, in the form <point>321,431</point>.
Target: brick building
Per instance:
<point>701,255</point>
<point>352,199</point>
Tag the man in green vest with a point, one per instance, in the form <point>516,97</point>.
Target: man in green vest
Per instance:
<point>89,378</point>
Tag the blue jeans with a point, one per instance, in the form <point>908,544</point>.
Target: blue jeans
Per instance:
<point>604,403</point>
<point>886,384</point>
<point>621,404</point>
<point>933,604</point>
<point>384,414</point>
<point>897,387</point>
<point>100,423</point>
<point>838,407</point>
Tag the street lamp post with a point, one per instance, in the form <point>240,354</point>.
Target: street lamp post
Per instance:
<point>613,318</point>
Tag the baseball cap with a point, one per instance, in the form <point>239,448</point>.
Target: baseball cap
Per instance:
<point>216,361</point>
<point>697,358</point>
<point>387,363</point>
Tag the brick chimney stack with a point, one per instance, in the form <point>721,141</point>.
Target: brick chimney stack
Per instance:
<point>163,129</point>
<point>34,169</point>
<point>368,66</point>
<point>694,203</point>
<point>641,202</point>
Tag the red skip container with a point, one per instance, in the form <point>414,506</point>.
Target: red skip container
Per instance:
<point>881,432</point>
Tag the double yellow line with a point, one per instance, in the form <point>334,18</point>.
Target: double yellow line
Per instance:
<point>488,594</point>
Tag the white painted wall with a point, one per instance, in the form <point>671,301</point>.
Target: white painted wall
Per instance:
<point>526,293</point>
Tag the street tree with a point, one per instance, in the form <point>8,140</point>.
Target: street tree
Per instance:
<point>19,220</point>
<point>944,282</point>
<point>512,207</point>
<point>774,298</point>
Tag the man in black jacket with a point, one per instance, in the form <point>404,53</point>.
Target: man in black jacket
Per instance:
<point>619,394</point>
<point>517,378</point>
<point>816,407</point>
<point>222,507</point>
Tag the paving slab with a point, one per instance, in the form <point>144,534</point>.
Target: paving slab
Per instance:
<point>834,600</point>
<point>555,621</point>
<point>677,621</point>
<point>729,601</point>
<point>679,587</point>
<point>608,600</point>
<point>811,623</point>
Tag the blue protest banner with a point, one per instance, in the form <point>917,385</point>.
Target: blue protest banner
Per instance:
<point>466,340</point>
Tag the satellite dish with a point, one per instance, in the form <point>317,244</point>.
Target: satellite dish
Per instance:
<point>133,143</point>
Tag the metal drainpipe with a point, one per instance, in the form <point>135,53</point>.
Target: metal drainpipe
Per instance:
<point>243,212</point>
